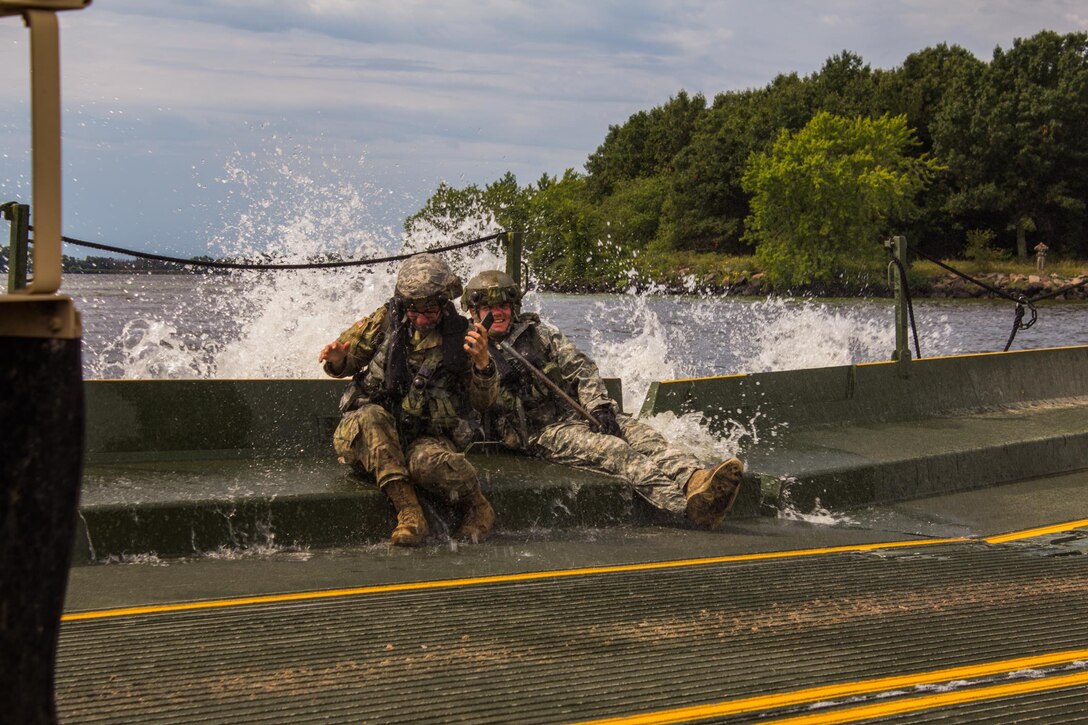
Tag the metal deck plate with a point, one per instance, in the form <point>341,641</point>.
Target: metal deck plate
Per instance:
<point>607,643</point>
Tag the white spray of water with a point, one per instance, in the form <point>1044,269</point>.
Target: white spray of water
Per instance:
<point>272,324</point>
<point>820,515</point>
<point>651,354</point>
<point>692,432</point>
<point>151,348</point>
<point>284,318</point>
<point>640,359</point>
<point>796,334</point>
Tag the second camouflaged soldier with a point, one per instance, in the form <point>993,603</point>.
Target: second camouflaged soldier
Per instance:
<point>417,366</point>
<point>530,417</point>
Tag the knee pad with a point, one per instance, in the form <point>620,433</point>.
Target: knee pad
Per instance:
<point>444,471</point>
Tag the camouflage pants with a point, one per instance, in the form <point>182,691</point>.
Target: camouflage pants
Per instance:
<point>655,469</point>
<point>368,437</point>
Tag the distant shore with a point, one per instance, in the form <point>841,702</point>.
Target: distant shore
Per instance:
<point>947,286</point>
<point>744,283</point>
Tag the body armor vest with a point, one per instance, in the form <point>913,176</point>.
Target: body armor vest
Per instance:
<point>423,391</point>
<point>525,404</point>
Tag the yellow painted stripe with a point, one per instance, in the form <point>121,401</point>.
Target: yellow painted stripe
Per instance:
<point>763,703</point>
<point>889,362</point>
<point>543,575</point>
<point>964,356</point>
<point>1041,531</point>
<point>712,377</point>
<point>944,699</point>
<point>496,579</point>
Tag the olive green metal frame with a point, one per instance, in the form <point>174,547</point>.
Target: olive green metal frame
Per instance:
<point>514,242</point>
<point>18,244</point>
<point>897,248</point>
<point>34,309</point>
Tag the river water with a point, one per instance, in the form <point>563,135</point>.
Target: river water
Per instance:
<point>272,325</point>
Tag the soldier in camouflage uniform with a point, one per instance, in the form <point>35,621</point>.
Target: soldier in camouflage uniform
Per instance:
<point>417,366</point>
<point>530,417</point>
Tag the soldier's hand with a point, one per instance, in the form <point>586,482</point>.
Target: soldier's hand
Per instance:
<point>476,346</point>
<point>606,421</point>
<point>334,352</point>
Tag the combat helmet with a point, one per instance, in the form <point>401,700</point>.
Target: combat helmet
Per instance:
<point>427,276</point>
<point>492,288</point>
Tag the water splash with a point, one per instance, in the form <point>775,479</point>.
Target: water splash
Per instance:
<point>259,551</point>
<point>693,431</point>
<point>271,324</point>
<point>795,334</point>
<point>819,515</point>
<point>152,348</point>
<point>145,559</point>
<point>644,355</point>
<point>293,216</point>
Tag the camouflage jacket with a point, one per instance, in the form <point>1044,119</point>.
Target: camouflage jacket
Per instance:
<point>428,384</point>
<point>525,405</point>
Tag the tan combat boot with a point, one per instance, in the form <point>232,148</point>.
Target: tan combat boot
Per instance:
<point>478,519</point>
<point>712,491</point>
<point>411,526</point>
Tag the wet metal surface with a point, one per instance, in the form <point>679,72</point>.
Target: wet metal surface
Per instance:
<point>486,634</point>
<point>580,647</point>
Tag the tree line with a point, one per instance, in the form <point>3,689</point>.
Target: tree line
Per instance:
<point>112,265</point>
<point>810,172</point>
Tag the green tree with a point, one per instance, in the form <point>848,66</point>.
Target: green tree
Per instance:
<point>645,145</point>
<point>827,193</point>
<point>1016,141</point>
<point>508,203</point>
<point>928,83</point>
<point>561,238</point>
<point>708,206</point>
<point>921,87</point>
<point>843,86</point>
<point>630,217</point>
<point>451,212</point>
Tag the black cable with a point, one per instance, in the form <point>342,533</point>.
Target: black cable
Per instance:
<point>967,277</point>
<point>256,265</point>
<point>1021,301</point>
<point>1018,319</point>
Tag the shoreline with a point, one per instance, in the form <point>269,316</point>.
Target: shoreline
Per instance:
<point>948,286</point>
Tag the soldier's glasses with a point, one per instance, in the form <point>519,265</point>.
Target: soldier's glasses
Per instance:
<point>494,296</point>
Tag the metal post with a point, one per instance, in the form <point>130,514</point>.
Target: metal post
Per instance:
<point>45,137</point>
<point>18,242</point>
<point>513,255</point>
<point>41,408</point>
<point>897,246</point>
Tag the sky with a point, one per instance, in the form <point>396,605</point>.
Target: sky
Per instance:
<point>193,126</point>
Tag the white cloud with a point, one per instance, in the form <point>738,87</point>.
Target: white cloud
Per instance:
<point>438,89</point>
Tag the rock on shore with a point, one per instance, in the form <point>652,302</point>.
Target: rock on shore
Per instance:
<point>1029,285</point>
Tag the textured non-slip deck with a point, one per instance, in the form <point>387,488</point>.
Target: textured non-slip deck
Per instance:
<point>613,642</point>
